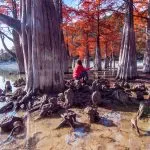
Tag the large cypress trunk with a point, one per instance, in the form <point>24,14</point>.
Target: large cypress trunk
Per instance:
<point>65,58</point>
<point>146,62</point>
<point>41,40</point>
<point>127,68</point>
<point>40,36</point>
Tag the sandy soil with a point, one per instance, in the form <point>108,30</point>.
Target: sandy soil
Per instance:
<point>42,135</point>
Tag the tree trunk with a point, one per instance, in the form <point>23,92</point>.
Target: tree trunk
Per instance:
<point>65,58</point>
<point>146,62</point>
<point>41,36</point>
<point>16,39</point>
<point>127,68</point>
<point>73,63</point>
<point>19,52</point>
<point>106,60</point>
<point>97,61</point>
<point>87,55</point>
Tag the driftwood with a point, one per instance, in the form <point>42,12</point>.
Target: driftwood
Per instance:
<point>144,109</point>
<point>69,119</point>
<point>96,98</point>
<point>92,113</point>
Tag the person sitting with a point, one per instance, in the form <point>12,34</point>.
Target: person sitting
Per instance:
<point>80,72</point>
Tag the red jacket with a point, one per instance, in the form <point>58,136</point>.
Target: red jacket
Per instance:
<point>78,70</point>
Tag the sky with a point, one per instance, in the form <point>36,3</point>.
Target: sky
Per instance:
<point>72,3</point>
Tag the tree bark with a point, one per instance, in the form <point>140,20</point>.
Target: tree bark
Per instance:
<point>19,52</point>
<point>65,58</point>
<point>97,61</point>
<point>87,55</point>
<point>127,68</point>
<point>41,36</point>
<point>41,43</point>
<point>146,62</point>
<point>16,39</point>
<point>106,60</point>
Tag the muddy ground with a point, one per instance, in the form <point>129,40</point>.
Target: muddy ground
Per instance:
<point>42,135</point>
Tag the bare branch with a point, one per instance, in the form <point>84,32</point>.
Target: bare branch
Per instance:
<point>11,22</point>
<point>6,48</point>
<point>7,36</point>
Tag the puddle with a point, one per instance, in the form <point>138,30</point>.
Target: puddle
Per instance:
<point>106,122</point>
<point>76,136</point>
<point>111,118</point>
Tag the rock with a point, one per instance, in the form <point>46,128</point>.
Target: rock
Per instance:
<point>69,97</point>
<point>7,124</point>
<point>9,106</point>
<point>18,94</point>
<point>8,87</point>
<point>96,98</point>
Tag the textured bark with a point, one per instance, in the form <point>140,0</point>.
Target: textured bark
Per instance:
<point>73,63</point>
<point>16,39</point>
<point>65,52</point>
<point>127,68</point>
<point>97,61</point>
<point>41,43</point>
<point>65,58</point>
<point>87,55</point>
<point>146,62</point>
<point>19,52</point>
<point>42,39</point>
<point>106,60</point>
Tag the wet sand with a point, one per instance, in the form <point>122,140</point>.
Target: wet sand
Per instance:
<point>43,136</point>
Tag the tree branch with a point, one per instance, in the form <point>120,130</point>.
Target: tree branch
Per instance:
<point>11,22</point>
<point>6,48</point>
<point>7,36</point>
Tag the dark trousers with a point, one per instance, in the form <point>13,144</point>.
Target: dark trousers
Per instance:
<point>83,75</point>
